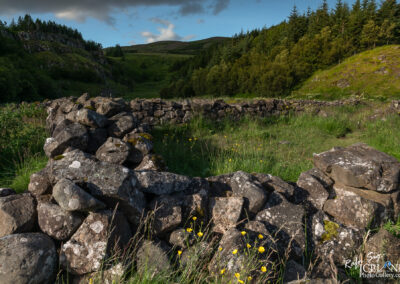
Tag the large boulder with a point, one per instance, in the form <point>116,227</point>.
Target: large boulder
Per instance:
<point>141,141</point>
<point>226,212</point>
<point>66,135</point>
<point>17,214</point>
<point>359,208</point>
<point>71,197</point>
<point>27,258</point>
<point>88,117</point>
<point>360,166</point>
<point>111,183</point>
<point>121,124</point>
<point>162,183</point>
<point>57,222</point>
<point>39,183</point>
<point>167,214</point>
<point>109,106</point>
<point>244,185</point>
<point>114,151</point>
<point>94,242</point>
<point>285,221</point>
<point>317,194</point>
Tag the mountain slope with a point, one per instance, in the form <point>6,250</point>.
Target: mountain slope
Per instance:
<point>373,74</point>
<point>175,47</point>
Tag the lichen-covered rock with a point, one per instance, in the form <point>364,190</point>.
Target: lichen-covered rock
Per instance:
<point>94,242</point>
<point>196,205</point>
<point>88,117</point>
<point>71,197</point>
<point>316,192</point>
<point>220,185</point>
<point>284,221</point>
<point>151,162</point>
<point>331,239</point>
<point>114,151</point>
<point>161,183</point>
<point>360,166</point>
<point>121,124</point>
<point>382,247</point>
<point>39,183</point>
<point>244,185</point>
<point>113,183</point>
<point>17,214</point>
<point>6,192</point>
<point>181,238</point>
<point>152,258</point>
<point>27,258</point>
<point>359,208</point>
<point>112,275</point>
<point>57,222</point>
<point>225,212</point>
<point>65,135</point>
<point>141,141</point>
<point>167,214</point>
<point>109,106</point>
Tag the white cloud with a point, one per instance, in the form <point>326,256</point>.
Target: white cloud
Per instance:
<point>166,32</point>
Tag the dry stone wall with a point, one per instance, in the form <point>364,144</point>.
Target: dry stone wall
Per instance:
<point>102,179</point>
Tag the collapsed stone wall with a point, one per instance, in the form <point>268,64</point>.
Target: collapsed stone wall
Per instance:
<point>102,178</point>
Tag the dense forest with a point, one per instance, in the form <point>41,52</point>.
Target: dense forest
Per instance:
<point>274,61</point>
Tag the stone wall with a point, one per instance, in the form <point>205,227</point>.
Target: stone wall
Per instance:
<point>102,179</point>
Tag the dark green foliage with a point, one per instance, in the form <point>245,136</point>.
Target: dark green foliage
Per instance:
<point>115,51</point>
<point>274,61</point>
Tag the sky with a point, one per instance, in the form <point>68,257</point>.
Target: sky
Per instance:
<point>128,22</point>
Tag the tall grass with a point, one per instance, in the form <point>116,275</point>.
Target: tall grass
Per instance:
<point>281,146</point>
<point>22,135</point>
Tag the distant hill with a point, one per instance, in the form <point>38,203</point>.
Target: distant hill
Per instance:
<point>175,47</point>
<point>373,74</point>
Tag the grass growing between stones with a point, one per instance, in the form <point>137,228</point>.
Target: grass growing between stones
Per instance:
<point>281,146</point>
<point>22,135</point>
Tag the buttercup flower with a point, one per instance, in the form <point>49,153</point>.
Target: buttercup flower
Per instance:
<point>243,233</point>
<point>189,230</point>
<point>248,245</point>
<point>179,252</point>
<point>249,278</point>
<point>240,281</point>
<point>200,234</point>
<point>220,248</point>
<point>222,271</point>
<point>263,269</point>
<point>261,249</point>
<point>234,251</point>
<point>260,236</point>
<point>237,274</point>
<point>194,218</point>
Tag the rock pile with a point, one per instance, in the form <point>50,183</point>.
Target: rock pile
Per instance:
<point>102,179</point>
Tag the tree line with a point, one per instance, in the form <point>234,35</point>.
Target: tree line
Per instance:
<point>273,61</point>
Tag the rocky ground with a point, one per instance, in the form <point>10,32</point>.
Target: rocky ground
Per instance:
<point>102,183</point>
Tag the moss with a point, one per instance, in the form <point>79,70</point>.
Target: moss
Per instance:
<point>59,157</point>
<point>90,108</point>
<point>331,231</point>
<point>146,136</point>
<point>133,141</point>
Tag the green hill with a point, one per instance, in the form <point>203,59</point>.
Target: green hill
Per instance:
<point>175,47</point>
<point>372,74</point>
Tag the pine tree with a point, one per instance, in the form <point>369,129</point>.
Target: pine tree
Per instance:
<point>369,34</point>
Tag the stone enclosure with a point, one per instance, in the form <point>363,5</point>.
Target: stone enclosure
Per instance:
<point>103,182</point>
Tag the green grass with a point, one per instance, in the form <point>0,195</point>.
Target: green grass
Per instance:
<point>281,146</point>
<point>22,135</point>
<point>370,74</point>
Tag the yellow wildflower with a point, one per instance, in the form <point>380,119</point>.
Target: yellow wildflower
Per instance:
<point>261,249</point>
<point>248,245</point>
<point>91,281</point>
<point>243,233</point>
<point>190,139</point>
<point>220,248</point>
<point>189,230</point>
<point>200,234</point>
<point>260,236</point>
<point>263,269</point>
<point>194,218</point>
<point>249,278</point>
<point>240,281</point>
<point>222,271</point>
<point>230,160</point>
<point>234,251</point>
<point>237,275</point>
<point>179,252</point>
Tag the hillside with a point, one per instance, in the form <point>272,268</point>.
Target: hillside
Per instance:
<point>175,47</point>
<point>372,74</point>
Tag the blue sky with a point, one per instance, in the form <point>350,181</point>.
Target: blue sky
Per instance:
<point>139,21</point>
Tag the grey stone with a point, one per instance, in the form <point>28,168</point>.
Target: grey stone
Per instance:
<point>225,212</point>
<point>244,185</point>
<point>152,258</point>
<point>360,166</point>
<point>316,192</point>
<point>121,124</point>
<point>181,238</point>
<point>293,271</point>
<point>71,197</point>
<point>57,222</point>
<point>141,141</point>
<point>114,151</point>
<point>6,192</point>
<point>167,214</point>
<point>27,258</point>
<point>88,117</point>
<point>162,183</point>
<point>97,137</point>
<point>94,242</point>
<point>17,214</point>
<point>39,183</point>
<point>382,247</point>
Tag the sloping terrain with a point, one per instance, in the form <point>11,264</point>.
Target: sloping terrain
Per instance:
<point>175,47</point>
<point>372,74</point>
